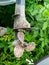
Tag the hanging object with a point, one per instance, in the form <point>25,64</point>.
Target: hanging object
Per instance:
<point>18,51</point>
<point>20,21</point>
<point>21,24</point>
<point>30,46</point>
<point>20,36</point>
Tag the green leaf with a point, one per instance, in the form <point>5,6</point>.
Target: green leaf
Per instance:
<point>1,45</point>
<point>45,25</point>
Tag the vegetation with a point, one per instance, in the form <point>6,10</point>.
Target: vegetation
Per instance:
<point>37,13</point>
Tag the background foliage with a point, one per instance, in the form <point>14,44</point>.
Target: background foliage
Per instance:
<point>37,13</point>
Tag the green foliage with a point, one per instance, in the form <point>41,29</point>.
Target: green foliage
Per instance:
<point>6,40</point>
<point>37,13</point>
<point>6,13</point>
<point>38,16</point>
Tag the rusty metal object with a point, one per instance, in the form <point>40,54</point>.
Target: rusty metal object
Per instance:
<point>30,46</point>
<point>19,45</point>
<point>20,25</point>
<point>20,36</point>
<point>19,17</point>
<point>18,51</point>
<point>21,22</point>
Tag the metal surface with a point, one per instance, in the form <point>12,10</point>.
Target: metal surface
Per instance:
<point>22,2</point>
<point>43,61</point>
<point>6,2</point>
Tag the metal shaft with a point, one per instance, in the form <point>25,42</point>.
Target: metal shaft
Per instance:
<point>20,2</point>
<point>20,7</point>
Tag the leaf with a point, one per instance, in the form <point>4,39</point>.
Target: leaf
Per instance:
<point>47,1</point>
<point>45,25</point>
<point>11,48</point>
<point>1,45</point>
<point>42,44</point>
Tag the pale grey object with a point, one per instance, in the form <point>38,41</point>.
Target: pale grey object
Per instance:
<point>22,2</point>
<point>44,62</point>
<point>2,31</point>
<point>15,43</point>
<point>20,36</point>
<point>6,2</point>
<point>18,51</point>
<point>20,21</point>
<point>30,46</point>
